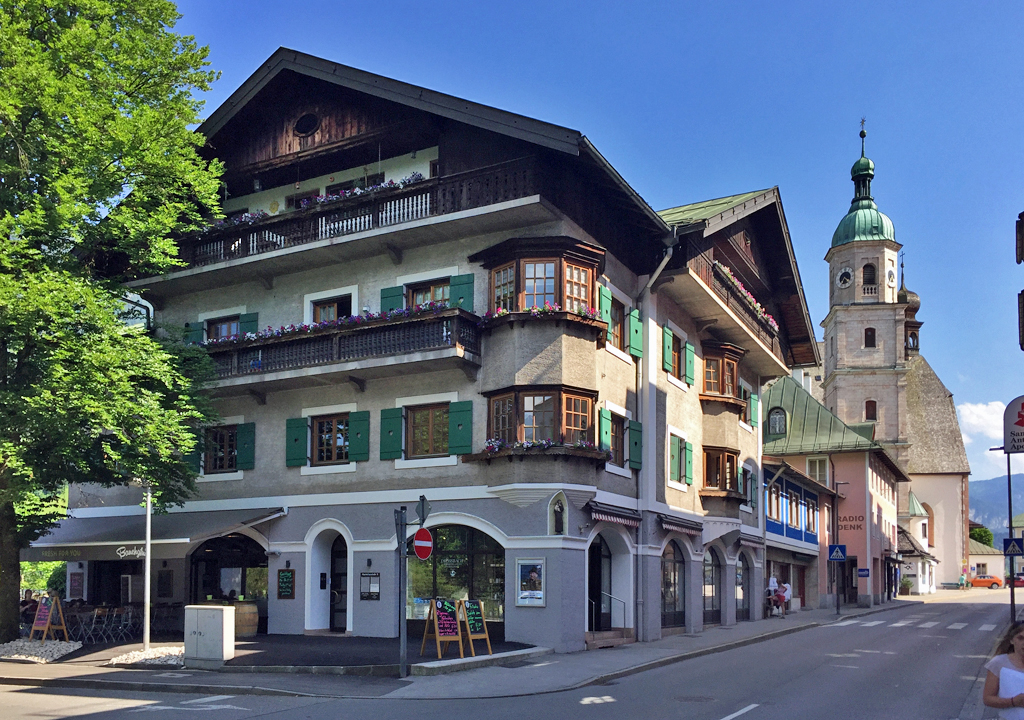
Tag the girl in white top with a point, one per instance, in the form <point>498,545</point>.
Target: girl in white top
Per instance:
<point>1009,658</point>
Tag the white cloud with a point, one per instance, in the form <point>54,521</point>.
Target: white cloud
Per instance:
<point>985,419</point>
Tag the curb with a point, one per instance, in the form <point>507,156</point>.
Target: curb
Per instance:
<point>443,667</point>
<point>97,684</point>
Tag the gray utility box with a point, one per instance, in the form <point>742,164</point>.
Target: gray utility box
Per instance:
<point>209,635</point>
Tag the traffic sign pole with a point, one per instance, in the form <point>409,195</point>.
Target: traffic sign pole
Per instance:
<point>403,630</point>
<point>837,554</point>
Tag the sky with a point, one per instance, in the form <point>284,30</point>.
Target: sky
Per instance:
<point>691,101</point>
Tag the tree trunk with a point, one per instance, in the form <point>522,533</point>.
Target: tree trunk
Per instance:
<point>10,573</point>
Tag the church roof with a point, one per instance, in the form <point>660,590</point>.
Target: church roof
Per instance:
<point>977,548</point>
<point>914,507</point>
<point>936,444</point>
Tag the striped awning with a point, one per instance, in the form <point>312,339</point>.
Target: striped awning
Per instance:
<point>613,514</point>
<point>679,525</point>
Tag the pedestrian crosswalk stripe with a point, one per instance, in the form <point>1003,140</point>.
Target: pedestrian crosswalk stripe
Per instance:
<point>874,622</point>
<point>900,624</point>
<point>957,626</point>
<point>845,622</point>
<point>928,624</point>
<point>988,628</point>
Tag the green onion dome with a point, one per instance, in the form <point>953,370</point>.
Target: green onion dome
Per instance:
<point>864,221</point>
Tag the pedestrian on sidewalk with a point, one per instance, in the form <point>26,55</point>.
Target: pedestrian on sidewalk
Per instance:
<point>1004,684</point>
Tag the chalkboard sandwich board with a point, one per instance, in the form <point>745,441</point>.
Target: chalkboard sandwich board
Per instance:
<point>49,619</point>
<point>443,625</point>
<point>286,584</point>
<point>472,614</point>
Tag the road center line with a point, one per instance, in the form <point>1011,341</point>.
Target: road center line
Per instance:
<point>736,714</point>
<point>212,698</point>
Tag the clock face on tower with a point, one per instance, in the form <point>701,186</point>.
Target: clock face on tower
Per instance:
<point>844,278</point>
<point>890,278</point>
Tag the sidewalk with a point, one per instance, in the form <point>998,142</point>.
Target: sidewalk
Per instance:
<point>533,676</point>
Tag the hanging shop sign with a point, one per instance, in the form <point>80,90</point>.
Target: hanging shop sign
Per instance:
<point>1013,426</point>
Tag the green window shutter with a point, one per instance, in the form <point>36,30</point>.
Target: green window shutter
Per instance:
<point>392,298</point>
<point>245,437</point>
<point>460,292</point>
<point>739,479</point>
<point>248,323</point>
<point>690,361</point>
<point>359,436</point>
<point>753,410</point>
<point>296,440</point>
<point>194,459</point>
<point>604,428</point>
<point>604,305</point>
<point>460,427</point>
<point>194,333</point>
<point>391,433</point>
<point>688,463</point>
<point>673,457</point>
<point>636,444</point>
<point>667,338</point>
<point>636,334</point>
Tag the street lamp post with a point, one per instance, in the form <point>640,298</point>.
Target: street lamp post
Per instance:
<point>148,566</point>
<point>835,523</point>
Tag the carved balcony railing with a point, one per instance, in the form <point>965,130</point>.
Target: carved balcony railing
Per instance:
<point>716,279</point>
<point>381,208</point>
<point>444,330</point>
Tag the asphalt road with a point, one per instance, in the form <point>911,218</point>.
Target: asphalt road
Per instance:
<point>917,662</point>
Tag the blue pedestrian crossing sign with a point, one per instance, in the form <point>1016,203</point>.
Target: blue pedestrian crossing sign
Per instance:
<point>837,553</point>
<point>1013,546</point>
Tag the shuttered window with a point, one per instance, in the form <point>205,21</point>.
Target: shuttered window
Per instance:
<point>221,449</point>
<point>427,433</point>
<point>330,439</point>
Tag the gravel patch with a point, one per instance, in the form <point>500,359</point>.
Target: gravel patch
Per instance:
<point>35,651</point>
<point>153,656</point>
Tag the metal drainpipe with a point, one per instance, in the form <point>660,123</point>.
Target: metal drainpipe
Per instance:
<point>641,532</point>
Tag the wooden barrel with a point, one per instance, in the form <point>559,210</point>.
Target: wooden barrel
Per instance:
<point>247,619</point>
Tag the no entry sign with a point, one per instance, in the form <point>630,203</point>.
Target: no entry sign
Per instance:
<point>422,543</point>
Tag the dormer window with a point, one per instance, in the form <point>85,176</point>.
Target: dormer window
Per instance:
<point>869,337</point>
<point>776,421</point>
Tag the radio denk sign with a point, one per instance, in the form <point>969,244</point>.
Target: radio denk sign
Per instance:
<point>1013,426</point>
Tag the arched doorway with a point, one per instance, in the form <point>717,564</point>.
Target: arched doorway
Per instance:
<point>743,591</point>
<point>599,586</point>
<point>228,568</point>
<point>339,585</point>
<point>673,586</point>
<point>466,564</point>
<point>712,588</point>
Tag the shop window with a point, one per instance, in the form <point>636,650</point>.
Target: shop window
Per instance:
<point>330,440</point>
<point>222,328</point>
<point>427,431</point>
<point>673,586</point>
<point>466,563</point>
<point>720,470</point>
<point>332,309</point>
<point>221,449</point>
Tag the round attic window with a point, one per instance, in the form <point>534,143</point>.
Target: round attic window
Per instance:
<point>307,124</point>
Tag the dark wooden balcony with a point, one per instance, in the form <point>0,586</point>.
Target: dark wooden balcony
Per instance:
<point>382,208</point>
<point>716,279</point>
<point>449,338</point>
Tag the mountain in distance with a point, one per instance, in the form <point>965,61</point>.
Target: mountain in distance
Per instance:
<point>988,503</point>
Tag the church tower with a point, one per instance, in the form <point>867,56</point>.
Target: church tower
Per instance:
<point>878,382</point>
<point>865,330</point>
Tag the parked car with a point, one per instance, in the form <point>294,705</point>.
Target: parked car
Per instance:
<point>989,581</point>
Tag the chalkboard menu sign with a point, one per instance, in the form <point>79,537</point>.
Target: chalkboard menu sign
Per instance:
<point>443,626</point>
<point>471,613</point>
<point>76,585</point>
<point>42,620</point>
<point>286,584</point>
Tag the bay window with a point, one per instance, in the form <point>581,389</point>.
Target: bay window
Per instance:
<point>720,470</point>
<point>535,415</point>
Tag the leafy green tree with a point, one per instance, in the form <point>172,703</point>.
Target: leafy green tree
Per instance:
<point>983,535</point>
<point>36,575</point>
<point>100,171</point>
